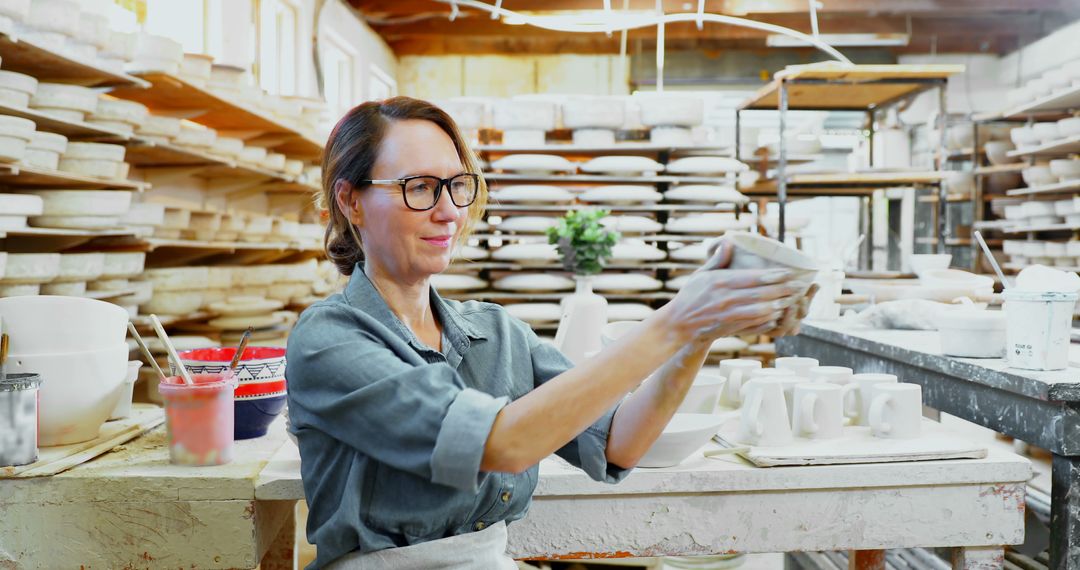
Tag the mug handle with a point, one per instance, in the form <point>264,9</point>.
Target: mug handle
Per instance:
<point>877,413</point>
<point>851,408</point>
<point>806,415</point>
<point>751,411</point>
<point>735,380</point>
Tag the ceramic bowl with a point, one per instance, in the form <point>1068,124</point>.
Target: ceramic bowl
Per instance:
<point>1069,127</point>
<point>1038,176</point>
<point>78,389</point>
<point>683,435</point>
<point>1065,169</point>
<point>702,396</point>
<point>997,152</point>
<point>921,263</point>
<point>50,324</point>
<point>260,394</point>
<point>1024,137</point>
<point>1046,132</point>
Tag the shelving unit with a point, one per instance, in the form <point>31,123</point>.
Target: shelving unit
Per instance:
<point>863,88</point>
<point>27,57</point>
<point>24,176</point>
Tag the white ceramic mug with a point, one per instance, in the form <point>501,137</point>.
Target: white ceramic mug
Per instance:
<point>800,365</point>
<point>736,371</point>
<point>840,375</point>
<point>787,379</point>
<point>764,419</point>
<point>818,411</point>
<point>896,410</point>
<point>857,395</point>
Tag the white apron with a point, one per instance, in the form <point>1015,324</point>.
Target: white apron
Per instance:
<point>480,550</point>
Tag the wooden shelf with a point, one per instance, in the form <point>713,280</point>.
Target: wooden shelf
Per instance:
<point>950,199</point>
<point>71,129</point>
<point>152,154</point>
<point>1059,102</point>
<point>158,243</point>
<point>1067,187</point>
<point>174,95</point>
<point>541,238</point>
<point>1000,169</point>
<point>1017,229</point>
<point>864,178</point>
<point>607,179</point>
<point>634,148</point>
<point>1060,147</point>
<point>47,66</point>
<point>848,87</point>
<point>22,176</point>
<point>612,207</point>
<point>956,242</point>
<point>512,296</point>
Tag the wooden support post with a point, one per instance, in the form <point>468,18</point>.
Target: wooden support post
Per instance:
<point>866,560</point>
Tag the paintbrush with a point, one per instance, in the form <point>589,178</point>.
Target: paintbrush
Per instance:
<point>240,350</point>
<point>146,351</point>
<point>171,349</point>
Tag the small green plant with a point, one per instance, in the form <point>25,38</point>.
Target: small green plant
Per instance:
<point>584,243</point>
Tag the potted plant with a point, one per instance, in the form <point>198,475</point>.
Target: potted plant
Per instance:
<point>585,246</point>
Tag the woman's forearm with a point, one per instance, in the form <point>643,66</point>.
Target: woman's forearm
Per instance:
<point>537,424</point>
<point>641,418</point>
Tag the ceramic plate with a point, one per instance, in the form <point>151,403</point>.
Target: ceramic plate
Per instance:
<point>531,193</point>
<point>692,252</point>
<point>527,224</point>
<point>535,313</point>
<point>612,282</point>
<point>244,308</point>
<point>621,194</point>
<point>241,323</point>
<point>534,282</point>
<point>533,163</point>
<point>676,283</point>
<point>452,282</point>
<point>622,165</point>
<point>705,193</point>
<point>471,252</point>
<point>703,165</point>
<point>708,223</point>
<point>631,251</point>
<point>632,224</point>
<point>526,252</point>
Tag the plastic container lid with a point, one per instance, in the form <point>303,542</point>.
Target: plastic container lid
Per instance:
<point>1051,296</point>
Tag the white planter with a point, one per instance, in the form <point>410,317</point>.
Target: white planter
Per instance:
<point>16,89</point>
<point>584,315</point>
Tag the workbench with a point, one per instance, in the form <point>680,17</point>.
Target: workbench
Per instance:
<point>131,509</point>
<point>1041,408</point>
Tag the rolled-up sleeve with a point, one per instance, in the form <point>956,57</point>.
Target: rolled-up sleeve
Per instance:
<point>587,451</point>
<point>414,416</point>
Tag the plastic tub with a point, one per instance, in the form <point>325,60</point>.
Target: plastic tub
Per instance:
<point>972,333</point>
<point>19,431</point>
<point>1038,328</point>
<point>199,418</point>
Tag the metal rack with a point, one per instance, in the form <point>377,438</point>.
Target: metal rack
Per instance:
<point>863,88</point>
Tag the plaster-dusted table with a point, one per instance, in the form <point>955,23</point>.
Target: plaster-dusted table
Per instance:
<point>131,509</point>
<point>1042,408</point>
<point>719,505</point>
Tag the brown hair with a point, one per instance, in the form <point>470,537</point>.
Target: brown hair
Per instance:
<point>351,153</point>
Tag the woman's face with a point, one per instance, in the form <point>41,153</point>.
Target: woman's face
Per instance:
<point>411,245</point>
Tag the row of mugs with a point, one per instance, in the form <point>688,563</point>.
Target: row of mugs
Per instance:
<point>776,411</point>
<point>738,371</point>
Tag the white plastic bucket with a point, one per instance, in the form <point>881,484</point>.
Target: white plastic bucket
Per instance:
<point>1039,323</point>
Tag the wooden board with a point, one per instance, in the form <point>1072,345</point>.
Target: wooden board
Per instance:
<point>857,445</point>
<point>854,87</point>
<point>22,176</point>
<point>53,460</point>
<point>47,66</point>
<point>71,129</point>
<point>170,94</point>
<point>864,178</point>
<point>1067,187</point>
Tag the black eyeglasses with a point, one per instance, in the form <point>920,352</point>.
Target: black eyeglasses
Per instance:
<point>422,192</point>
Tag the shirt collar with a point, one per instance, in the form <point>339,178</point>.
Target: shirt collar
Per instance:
<point>363,295</point>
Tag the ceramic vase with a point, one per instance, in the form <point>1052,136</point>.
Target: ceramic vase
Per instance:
<point>584,315</point>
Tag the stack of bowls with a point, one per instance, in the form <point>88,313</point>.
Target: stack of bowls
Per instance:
<point>77,346</point>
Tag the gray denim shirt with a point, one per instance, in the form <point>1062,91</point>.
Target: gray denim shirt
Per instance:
<point>391,432</point>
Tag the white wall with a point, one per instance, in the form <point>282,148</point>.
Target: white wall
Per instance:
<point>368,48</point>
<point>440,77</point>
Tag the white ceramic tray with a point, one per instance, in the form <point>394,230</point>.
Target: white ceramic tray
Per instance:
<point>856,446</point>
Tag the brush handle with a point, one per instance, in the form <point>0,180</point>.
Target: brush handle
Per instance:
<point>172,350</point>
<point>146,351</point>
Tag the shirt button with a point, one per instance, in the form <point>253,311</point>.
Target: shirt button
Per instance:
<point>505,497</point>
<point>480,525</point>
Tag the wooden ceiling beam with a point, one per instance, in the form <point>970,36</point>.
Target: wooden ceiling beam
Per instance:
<point>738,6</point>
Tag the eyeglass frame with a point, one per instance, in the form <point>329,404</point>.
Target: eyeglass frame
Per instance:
<point>443,182</point>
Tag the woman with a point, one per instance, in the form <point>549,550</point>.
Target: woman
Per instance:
<point>421,420</point>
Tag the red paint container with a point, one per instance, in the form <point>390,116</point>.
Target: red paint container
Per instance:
<point>199,418</point>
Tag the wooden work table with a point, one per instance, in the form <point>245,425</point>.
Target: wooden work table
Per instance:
<point>130,508</point>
